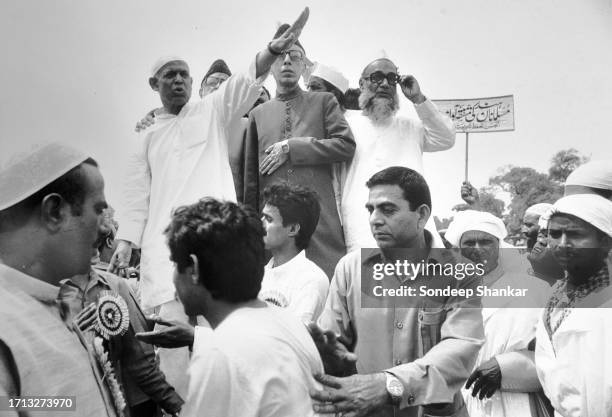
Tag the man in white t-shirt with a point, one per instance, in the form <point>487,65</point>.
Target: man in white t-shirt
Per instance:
<point>290,216</point>
<point>255,360</point>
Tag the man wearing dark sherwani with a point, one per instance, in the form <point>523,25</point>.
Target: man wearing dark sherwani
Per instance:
<point>296,137</point>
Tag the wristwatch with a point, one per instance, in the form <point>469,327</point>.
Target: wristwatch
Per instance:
<point>395,388</point>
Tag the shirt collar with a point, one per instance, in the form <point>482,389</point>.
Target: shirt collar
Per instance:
<point>300,255</point>
<point>374,255</point>
<point>95,278</point>
<point>34,287</point>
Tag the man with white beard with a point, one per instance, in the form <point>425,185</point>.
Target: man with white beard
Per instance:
<point>385,139</point>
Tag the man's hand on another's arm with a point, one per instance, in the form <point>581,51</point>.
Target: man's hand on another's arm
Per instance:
<point>147,121</point>
<point>486,379</point>
<point>337,359</point>
<point>177,334</point>
<point>354,396</point>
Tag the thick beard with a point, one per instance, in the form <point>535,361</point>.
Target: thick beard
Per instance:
<point>378,109</point>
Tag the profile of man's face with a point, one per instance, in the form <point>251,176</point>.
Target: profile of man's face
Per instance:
<point>530,228</point>
<point>287,70</point>
<point>79,233</point>
<point>173,83</point>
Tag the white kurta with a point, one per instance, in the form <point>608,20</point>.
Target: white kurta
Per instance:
<point>399,143</point>
<point>576,368</point>
<point>509,329</point>
<point>259,362</point>
<point>299,285</point>
<point>177,161</point>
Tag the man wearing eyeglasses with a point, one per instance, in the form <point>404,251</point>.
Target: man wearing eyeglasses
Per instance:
<point>385,139</point>
<point>295,138</point>
<point>216,75</point>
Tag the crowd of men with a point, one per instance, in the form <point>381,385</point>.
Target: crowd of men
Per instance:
<point>254,224</point>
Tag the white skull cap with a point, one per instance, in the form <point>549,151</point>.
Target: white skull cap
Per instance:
<point>163,61</point>
<point>25,173</point>
<point>331,75</point>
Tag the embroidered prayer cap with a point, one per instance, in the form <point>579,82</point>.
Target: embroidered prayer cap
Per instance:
<point>592,208</point>
<point>474,220</point>
<point>27,172</point>
<point>163,61</point>
<point>593,174</point>
<point>375,56</point>
<point>538,209</point>
<point>331,75</point>
<point>218,66</point>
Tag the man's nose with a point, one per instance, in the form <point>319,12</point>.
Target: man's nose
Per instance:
<point>376,219</point>
<point>563,241</point>
<point>286,59</point>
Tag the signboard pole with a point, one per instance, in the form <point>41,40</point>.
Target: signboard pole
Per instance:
<point>467,145</point>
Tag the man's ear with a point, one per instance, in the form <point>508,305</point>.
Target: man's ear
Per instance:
<point>194,269</point>
<point>154,83</point>
<point>53,211</point>
<point>294,229</point>
<point>361,84</point>
<point>424,212</point>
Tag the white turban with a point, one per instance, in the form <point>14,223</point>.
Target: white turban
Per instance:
<point>592,208</point>
<point>331,75</point>
<point>474,220</point>
<point>545,217</point>
<point>163,61</point>
<point>28,172</point>
<point>594,174</point>
<point>538,209</point>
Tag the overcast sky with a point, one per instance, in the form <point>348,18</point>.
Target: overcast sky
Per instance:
<point>78,70</point>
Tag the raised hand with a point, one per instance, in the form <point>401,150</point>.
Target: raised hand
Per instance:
<point>288,38</point>
<point>469,193</point>
<point>411,89</point>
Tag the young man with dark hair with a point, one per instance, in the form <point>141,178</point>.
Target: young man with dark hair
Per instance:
<point>290,217</point>
<point>256,360</point>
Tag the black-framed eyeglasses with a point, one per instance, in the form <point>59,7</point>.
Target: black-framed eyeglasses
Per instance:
<point>294,55</point>
<point>377,77</point>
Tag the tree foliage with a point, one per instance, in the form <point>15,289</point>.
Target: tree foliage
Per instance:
<point>563,163</point>
<point>528,186</point>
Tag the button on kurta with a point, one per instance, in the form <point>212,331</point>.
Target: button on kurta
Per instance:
<point>399,325</point>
